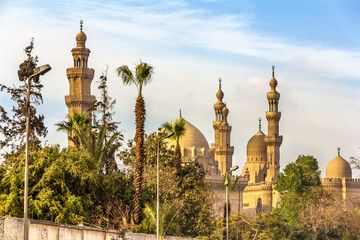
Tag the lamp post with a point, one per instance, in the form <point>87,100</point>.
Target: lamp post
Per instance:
<point>37,71</point>
<point>167,135</point>
<point>227,199</point>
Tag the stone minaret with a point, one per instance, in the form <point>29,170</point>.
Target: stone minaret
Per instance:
<point>273,140</point>
<point>222,149</point>
<point>80,77</point>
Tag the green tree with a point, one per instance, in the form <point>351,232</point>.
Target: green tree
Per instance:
<point>103,118</point>
<point>13,126</point>
<point>142,77</point>
<point>178,127</point>
<point>298,176</point>
<point>196,202</point>
<point>77,122</point>
<point>65,186</point>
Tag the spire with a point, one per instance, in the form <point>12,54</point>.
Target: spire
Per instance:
<point>180,112</point>
<point>220,83</point>
<point>339,150</point>
<point>81,24</point>
<point>260,124</point>
<point>273,71</point>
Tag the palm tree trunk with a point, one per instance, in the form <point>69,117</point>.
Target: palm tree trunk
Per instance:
<point>178,158</point>
<point>140,115</point>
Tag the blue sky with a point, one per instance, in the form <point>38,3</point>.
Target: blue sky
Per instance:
<point>314,45</point>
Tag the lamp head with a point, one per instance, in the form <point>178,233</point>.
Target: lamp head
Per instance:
<point>233,168</point>
<point>42,70</point>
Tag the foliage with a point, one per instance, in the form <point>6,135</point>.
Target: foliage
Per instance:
<point>77,122</point>
<point>178,127</point>
<point>298,176</point>
<point>195,203</point>
<point>103,118</point>
<point>142,76</point>
<point>13,126</point>
<point>64,186</point>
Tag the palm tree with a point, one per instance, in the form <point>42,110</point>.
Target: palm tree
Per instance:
<point>76,122</point>
<point>178,127</point>
<point>142,76</point>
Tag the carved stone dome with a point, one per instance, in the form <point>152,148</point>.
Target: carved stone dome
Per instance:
<point>81,36</point>
<point>192,138</point>
<point>338,168</point>
<point>256,148</point>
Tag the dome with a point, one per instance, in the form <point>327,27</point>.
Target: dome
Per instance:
<point>256,147</point>
<point>192,138</point>
<point>220,95</point>
<point>338,168</point>
<point>273,83</point>
<point>81,36</point>
<point>225,110</point>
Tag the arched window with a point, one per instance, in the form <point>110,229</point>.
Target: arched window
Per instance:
<point>78,62</point>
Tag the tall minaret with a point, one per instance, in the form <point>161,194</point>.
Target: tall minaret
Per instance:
<point>80,77</point>
<point>222,149</point>
<point>273,140</point>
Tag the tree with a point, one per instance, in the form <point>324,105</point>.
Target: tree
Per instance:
<point>298,176</point>
<point>103,118</point>
<point>196,199</point>
<point>142,77</point>
<point>77,122</point>
<point>65,186</point>
<point>178,127</point>
<point>13,127</point>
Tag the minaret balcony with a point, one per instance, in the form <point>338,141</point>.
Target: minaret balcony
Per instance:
<point>80,72</point>
<point>273,116</point>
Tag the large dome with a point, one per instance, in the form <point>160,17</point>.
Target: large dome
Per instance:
<point>338,168</point>
<point>256,147</point>
<point>192,138</point>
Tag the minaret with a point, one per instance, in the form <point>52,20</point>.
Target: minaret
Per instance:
<point>273,140</point>
<point>222,149</point>
<point>80,77</point>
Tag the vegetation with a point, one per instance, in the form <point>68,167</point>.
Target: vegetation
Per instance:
<point>142,76</point>
<point>178,127</point>
<point>13,126</point>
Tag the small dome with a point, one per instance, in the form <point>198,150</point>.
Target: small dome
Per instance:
<point>256,146</point>
<point>192,138</point>
<point>273,83</point>
<point>220,95</point>
<point>219,105</point>
<point>225,110</point>
<point>338,168</point>
<point>81,36</point>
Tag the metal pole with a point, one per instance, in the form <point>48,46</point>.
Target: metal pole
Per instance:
<point>157,190</point>
<point>26,226</point>
<point>227,210</point>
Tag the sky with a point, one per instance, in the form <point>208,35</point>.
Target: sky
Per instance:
<point>314,45</point>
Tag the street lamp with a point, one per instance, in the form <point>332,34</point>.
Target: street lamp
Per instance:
<point>37,71</point>
<point>227,199</point>
<point>167,135</point>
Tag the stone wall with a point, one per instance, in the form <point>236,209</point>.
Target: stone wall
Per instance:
<point>13,228</point>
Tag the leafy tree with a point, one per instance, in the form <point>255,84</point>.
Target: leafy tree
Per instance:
<point>195,203</point>
<point>178,127</point>
<point>103,118</point>
<point>13,126</point>
<point>77,122</point>
<point>142,76</point>
<point>298,176</point>
<point>65,186</point>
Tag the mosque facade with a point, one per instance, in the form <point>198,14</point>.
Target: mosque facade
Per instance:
<point>255,191</point>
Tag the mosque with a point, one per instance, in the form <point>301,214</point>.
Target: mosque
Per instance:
<point>255,190</point>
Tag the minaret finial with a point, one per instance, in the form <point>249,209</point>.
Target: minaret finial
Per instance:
<point>339,150</point>
<point>260,124</point>
<point>180,112</point>
<point>220,83</point>
<point>273,71</point>
<point>81,24</point>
